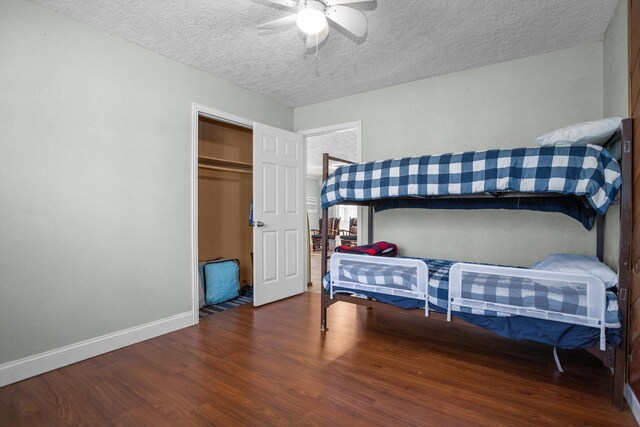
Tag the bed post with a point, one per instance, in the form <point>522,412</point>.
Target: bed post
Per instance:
<point>370,225</point>
<point>324,229</point>
<point>600,237</point>
<point>624,260</point>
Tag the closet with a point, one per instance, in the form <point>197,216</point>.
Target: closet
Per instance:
<point>225,187</point>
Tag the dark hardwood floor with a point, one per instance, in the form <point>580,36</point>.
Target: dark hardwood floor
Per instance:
<point>316,258</point>
<point>273,366</point>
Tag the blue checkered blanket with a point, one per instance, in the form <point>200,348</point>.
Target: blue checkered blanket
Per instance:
<point>506,290</point>
<point>585,171</point>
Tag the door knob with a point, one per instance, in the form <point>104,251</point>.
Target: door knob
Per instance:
<point>259,224</point>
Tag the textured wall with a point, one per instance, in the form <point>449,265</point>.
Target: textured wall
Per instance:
<point>502,105</point>
<point>95,179</point>
<point>616,103</point>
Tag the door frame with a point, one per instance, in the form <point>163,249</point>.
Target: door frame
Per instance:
<point>323,131</point>
<point>197,111</point>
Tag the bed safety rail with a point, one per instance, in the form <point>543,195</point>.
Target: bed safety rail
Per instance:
<point>578,299</point>
<point>403,277</point>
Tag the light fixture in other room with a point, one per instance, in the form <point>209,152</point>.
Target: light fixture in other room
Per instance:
<point>311,19</point>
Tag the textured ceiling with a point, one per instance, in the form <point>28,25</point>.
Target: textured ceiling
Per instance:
<point>407,39</point>
<point>341,144</point>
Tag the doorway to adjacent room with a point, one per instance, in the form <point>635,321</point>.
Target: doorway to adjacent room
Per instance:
<point>343,141</point>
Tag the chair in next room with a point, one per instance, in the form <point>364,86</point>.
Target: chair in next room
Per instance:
<point>316,234</point>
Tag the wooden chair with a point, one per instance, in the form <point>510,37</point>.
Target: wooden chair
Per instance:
<point>350,237</point>
<point>316,234</point>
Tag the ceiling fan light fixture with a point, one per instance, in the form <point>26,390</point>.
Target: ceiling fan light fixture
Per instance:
<point>311,19</point>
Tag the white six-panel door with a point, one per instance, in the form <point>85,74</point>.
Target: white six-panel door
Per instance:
<point>278,214</point>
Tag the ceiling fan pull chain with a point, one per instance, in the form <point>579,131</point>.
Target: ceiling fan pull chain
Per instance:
<point>316,58</point>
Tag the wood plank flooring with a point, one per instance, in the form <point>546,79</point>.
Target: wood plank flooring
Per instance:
<point>316,257</point>
<point>273,366</point>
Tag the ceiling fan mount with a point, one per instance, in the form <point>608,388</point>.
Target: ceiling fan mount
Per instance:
<point>312,17</point>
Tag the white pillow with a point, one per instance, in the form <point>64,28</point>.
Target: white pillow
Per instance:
<point>582,264</point>
<point>596,132</point>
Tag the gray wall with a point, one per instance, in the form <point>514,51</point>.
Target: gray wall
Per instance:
<point>616,103</point>
<point>502,105</point>
<point>95,179</point>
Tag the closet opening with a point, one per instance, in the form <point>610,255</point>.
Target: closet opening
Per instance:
<point>225,193</point>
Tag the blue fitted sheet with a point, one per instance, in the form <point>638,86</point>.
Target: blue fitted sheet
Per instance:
<point>557,334</point>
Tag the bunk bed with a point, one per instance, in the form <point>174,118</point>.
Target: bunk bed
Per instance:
<point>573,310</point>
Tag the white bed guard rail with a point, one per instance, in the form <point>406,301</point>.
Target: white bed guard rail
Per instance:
<point>403,277</point>
<point>562,297</point>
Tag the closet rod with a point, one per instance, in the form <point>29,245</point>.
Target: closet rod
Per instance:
<point>221,168</point>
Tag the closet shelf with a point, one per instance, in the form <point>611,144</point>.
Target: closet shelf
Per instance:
<point>214,161</point>
<point>224,165</point>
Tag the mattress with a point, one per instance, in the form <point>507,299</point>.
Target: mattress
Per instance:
<point>518,327</point>
<point>586,175</point>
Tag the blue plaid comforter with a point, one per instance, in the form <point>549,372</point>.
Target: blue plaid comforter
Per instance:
<point>576,170</point>
<point>518,291</point>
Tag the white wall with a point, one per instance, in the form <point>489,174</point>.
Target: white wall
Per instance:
<point>95,179</point>
<point>502,105</point>
<point>616,103</point>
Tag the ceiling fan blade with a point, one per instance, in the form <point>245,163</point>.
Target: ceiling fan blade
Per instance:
<point>278,23</point>
<point>348,18</point>
<point>337,2</point>
<point>313,39</point>
<point>288,3</point>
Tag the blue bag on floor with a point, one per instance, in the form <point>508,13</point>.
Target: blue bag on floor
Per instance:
<point>220,280</point>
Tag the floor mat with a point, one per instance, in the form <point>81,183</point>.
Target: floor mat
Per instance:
<point>217,308</point>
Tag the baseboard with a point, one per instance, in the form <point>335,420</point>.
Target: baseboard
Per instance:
<point>30,366</point>
<point>632,400</point>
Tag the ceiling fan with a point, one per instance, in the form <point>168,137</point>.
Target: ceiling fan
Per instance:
<point>311,17</point>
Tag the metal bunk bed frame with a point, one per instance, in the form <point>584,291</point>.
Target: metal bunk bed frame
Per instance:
<point>614,358</point>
